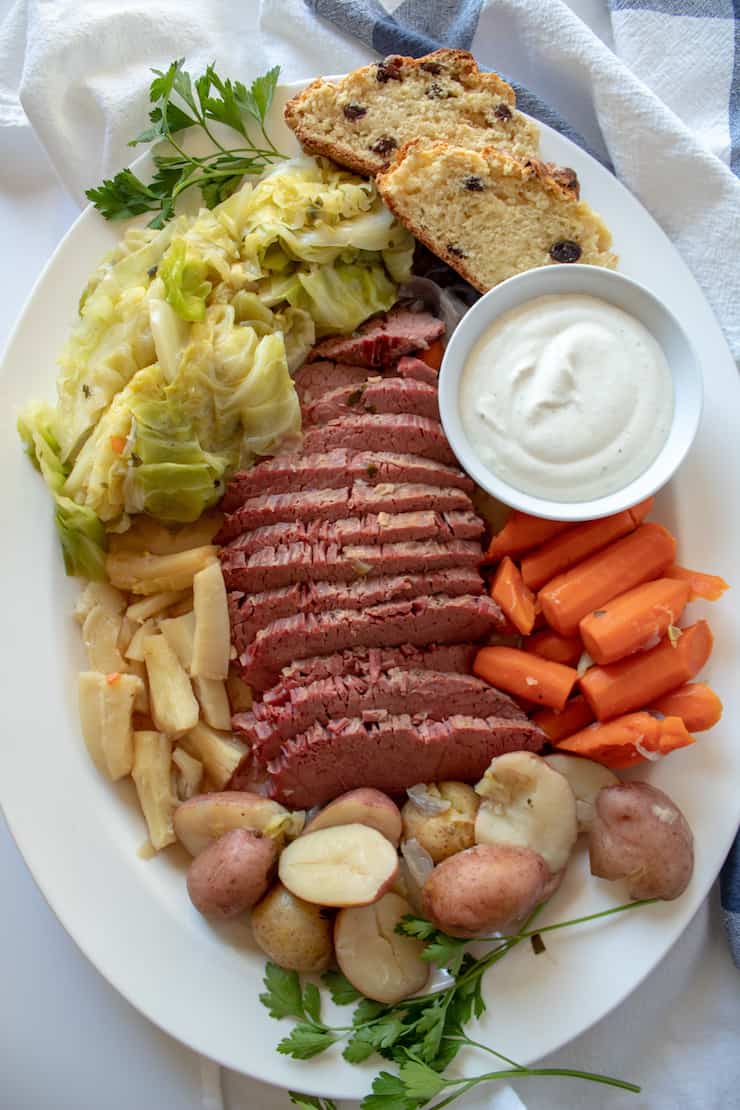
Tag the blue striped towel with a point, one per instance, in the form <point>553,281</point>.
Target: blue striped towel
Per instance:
<point>675,69</point>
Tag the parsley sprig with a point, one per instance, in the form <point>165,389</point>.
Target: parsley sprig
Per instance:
<point>181,102</point>
<point>421,1035</point>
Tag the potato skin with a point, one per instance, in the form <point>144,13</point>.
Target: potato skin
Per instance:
<point>295,934</point>
<point>379,963</point>
<point>639,834</point>
<point>363,806</point>
<point>443,834</point>
<point>488,887</point>
<point>232,874</point>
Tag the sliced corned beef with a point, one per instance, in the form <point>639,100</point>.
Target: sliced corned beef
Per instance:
<point>424,620</point>
<point>314,379</point>
<point>272,567</point>
<point>335,468</point>
<point>415,370</point>
<point>391,754</point>
<point>383,339</point>
<point>373,528</point>
<point>335,504</point>
<point>250,612</point>
<point>420,694</point>
<point>417,435</point>
<point>390,395</point>
<point>373,662</point>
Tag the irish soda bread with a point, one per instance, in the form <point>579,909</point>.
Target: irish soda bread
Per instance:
<point>490,215</point>
<point>362,120</point>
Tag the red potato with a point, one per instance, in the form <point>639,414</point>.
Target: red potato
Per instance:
<point>203,819</point>
<point>364,806</point>
<point>232,874</point>
<point>292,933</point>
<point>345,865</point>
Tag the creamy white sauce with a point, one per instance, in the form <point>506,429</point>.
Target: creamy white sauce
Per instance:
<point>566,397</point>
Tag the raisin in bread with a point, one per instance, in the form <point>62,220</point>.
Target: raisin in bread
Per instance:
<point>363,119</point>
<point>490,215</point>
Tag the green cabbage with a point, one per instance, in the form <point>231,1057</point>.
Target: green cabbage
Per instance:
<point>183,275</point>
<point>339,297</point>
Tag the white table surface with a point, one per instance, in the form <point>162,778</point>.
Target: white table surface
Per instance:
<point>68,1041</point>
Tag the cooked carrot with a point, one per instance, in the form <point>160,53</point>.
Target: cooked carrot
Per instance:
<point>695,703</point>
<point>637,681</point>
<point>551,645</point>
<point>559,725</point>
<point>515,600</point>
<point>618,743</point>
<point>528,676</point>
<point>707,587</point>
<point>433,354</point>
<point>636,558</point>
<point>521,533</point>
<point>629,622</point>
<point>577,543</point>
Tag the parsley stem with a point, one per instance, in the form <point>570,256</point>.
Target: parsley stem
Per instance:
<point>464,1085</point>
<point>577,920</point>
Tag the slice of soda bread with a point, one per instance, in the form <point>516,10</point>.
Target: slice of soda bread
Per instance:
<point>489,215</point>
<point>362,120</point>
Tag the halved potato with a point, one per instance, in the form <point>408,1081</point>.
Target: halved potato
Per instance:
<point>173,704</point>
<point>106,709</point>
<point>212,640</point>
<point>205,818</point>
<point>151,775</point>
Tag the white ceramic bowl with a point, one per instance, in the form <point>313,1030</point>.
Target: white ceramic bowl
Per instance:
<point>626,294</point>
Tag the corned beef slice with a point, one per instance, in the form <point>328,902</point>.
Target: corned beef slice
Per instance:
<point>335,468</point>
<point>416,370</point>
<point>314,379</point>
<point>382,339</point>
<point>391,754</point>
<point>334,504</point>
<point>373,528</point>
<point>250,612</point>
<point>389,395</point>
<point>383,432</point>
<point>372,663</point>
<point>421,621</point>
<point>272,567</point>
<point>425,694</point>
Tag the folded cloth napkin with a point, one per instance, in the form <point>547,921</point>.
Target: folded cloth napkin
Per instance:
<point>662,107</point>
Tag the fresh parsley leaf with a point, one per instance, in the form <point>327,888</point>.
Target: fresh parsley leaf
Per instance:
<point>418,927</point>
<point>123,196</point>
<point>432,1025</point>
<point>341,990</point>
<point>306,1041</point>
<point>258,99</point>
<point>368,1011</point>
<point>358,1048</point>
<point>312,1002</point>
<point>282,996</point>
<point>389,1093</point>
<point>420,1082</point>
<point>447,952</point>
<point>311,1102</point>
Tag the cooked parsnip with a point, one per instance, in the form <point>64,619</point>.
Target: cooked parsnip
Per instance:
<point>100,634</point>
<point>363,806</point>
<point>349,865</point>
<point>240,695</point>
<point>141,701</point>
<point>179,632</point>
<point>292,933</point>
<point>452,828</point>
<point>153,605</point>
<point>173,704</point>
<point>148,535</point>
<point>152,574</point>
<point>106,708</point>
<point>214,704</point>
<point>219,752</point>
<point>189,774</point>
<point>128,628</point>
<point>135,649</point>
<point>184,605</point>
<point>98,593</point>
<point>379,962</point>
<point>208,816</point>
<point>231,874</point>
<point>527,804</point>
<point>586,779</point>
<point>151,775</point>
<point>211,641</point>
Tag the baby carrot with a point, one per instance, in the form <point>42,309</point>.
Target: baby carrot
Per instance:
<point>528,676</point>
<point>636,558</point>
<point>618,743</point>
<point>559,725</point>
<point>521,532</point>
<point>551,645</point>
<point>626,624</point>
<point>695,703</point>
<point>631,683</point>
<point>577,543</point>
<point>708,587</point>
<point>514,598</point>
<point>432,356</point>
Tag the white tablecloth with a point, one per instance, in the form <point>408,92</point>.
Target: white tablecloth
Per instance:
<point>70,1042</point>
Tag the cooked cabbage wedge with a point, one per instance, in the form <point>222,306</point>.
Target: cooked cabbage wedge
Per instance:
<point>179,368</point>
